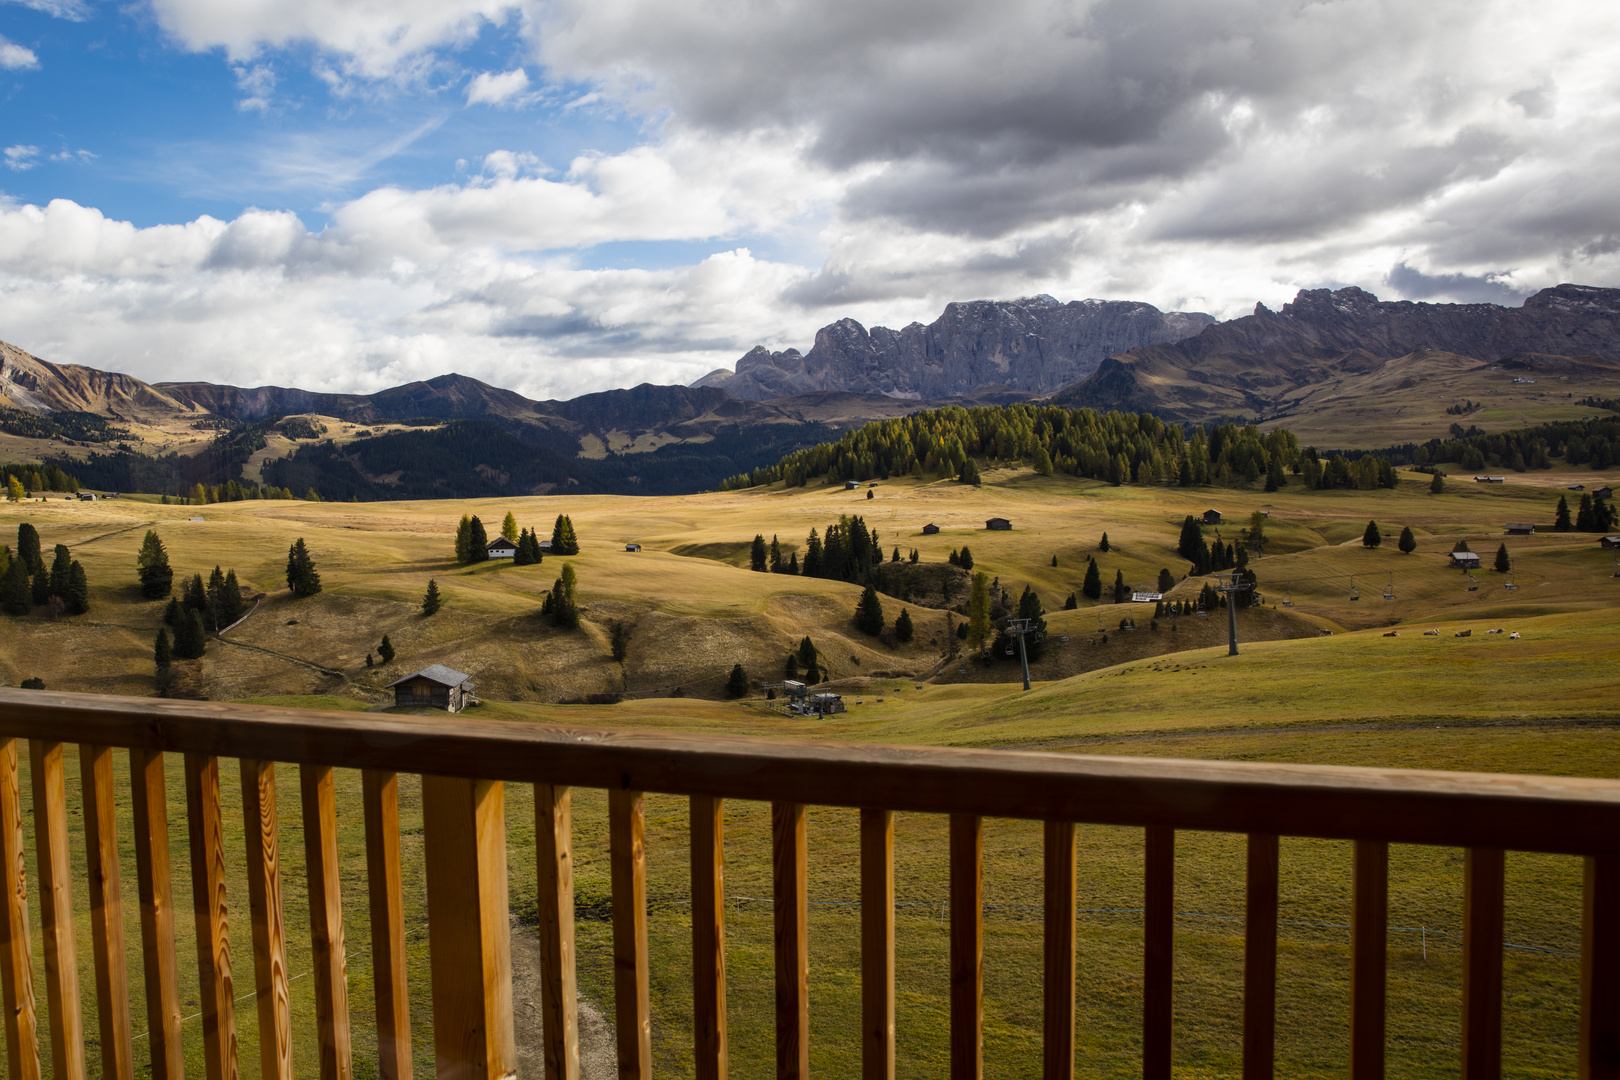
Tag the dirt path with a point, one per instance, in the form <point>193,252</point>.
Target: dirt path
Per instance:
<point>283,656</point>
<point>598,1055</point>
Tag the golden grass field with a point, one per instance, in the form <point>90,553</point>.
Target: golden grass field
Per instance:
<point>1544,703</point>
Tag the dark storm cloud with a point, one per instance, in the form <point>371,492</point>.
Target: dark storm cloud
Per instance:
<point>1413,284</point>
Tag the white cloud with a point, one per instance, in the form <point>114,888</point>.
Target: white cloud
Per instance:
<point>256,82</point>
<point>73,10</point>
<point>20,158</point>
<point>14,57</point>
<point>73,157</point>
<point>491,88</point>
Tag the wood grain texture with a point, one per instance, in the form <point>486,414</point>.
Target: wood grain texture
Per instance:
<point>708,844</point>
<point>1598,1055</point>
<point>150,800</point>
<point>790,895</point>
<point>967,946</point>
<point>1483,887</point>
<point>56,910</point>
<point>877,944</point>
<point>318,797</point>
<point>559,991</point>
<point>260,831</point>
<point>464,827</point>
<point>1260,958</point>
<point>106,912</point>
<point>1057,1011</point>
<point>1369,935</point>
<point>1522,813</point>
<point>212,914</point>
<point>632,997</point>
<point>1158,952</point>
<point>385,892</point>
<point>16,954</point>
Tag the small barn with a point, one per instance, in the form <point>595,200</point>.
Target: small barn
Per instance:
<point>1577,487</point>
<point>1490,479</point>
<point>1610,541</point>
<point>1604,492</point>
<point>1519,528</point>
<point>1465,560</point>
<point>435,685</point>
<point>545,545</point>
<point>851,485</point>
<point>501,548</point>
<point>632,547</point>
<point>998,525</point>
<point>930,529</point>
<point>1212,517</point>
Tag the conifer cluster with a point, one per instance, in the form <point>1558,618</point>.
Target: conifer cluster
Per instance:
<point>302,577</point>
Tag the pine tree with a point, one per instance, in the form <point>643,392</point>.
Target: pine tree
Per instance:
<point>564,612</point>
<point>520,557</point>
<point>954,558</point>
<point>1372,537</point>
<point>619,643</point>
<point>1122,591</point>
<point>59,570</point>
<point>1072,603</point>
<point>41,592</point>
<point>896,556</point>
<point>464,540</point>
<point>775,561</point>
<point>1167,581</point>
<point>1192,538</point>
<point>157,579</point>
<point>385,650</point>
<point>1092,587</point>
<point>965,560</point>
<point>904,631</point>
<point>302,577</point>
<point>790,666</point>
<point>162,652</point>
<point>757,558</point>
<point>1503,564</point>
<point>477,541</point>
<point>1275,477</point>
<point>431,600</point>
<point>28,548</point>
<point>807,652</point>
<point>916,556</point>
<point>869,613</point>
<point>1561,518</point>
<point>78,589</point>
<point>737,683</point>
<point>171,612</point>
<point>1437,483</point>
<point>1102,545</point>
<point>870,493</point>
<point>978,617</point>
<point>793,563</point>
<point>509,527</point>
<point>1408,541</point>
<point>371,660</point>
<point>14,594</point>
<point>563,540</point>
<point>1584,521</point>
<point>190,639</point>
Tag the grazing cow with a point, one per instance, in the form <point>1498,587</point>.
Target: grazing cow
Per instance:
<point>1393,633</point>
<point>1513,636</point>
<point>1464,633</point>
<point>1498,630</point>
<point>1431,633</point>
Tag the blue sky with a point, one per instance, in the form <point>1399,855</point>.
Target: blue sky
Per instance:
<point>562,196</point>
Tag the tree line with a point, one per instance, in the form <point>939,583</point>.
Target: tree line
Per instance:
<point>26,582</point>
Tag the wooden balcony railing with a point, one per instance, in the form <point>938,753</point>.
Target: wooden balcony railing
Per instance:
<point>464,764</point>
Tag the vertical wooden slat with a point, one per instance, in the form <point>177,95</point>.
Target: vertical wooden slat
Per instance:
<point>1369,926</point>
<point>632,994</point>
<point>1599,1050</point>
<point>386,896</point>
<point>260,830</point>
<point>791,894</point>
<point>1260,959</point>
<point>469,930</point>
<point>207,832</point>
<point>559,994</point>
<point>967,946</point>
<point>150,800</point>
<point>319,799</point>
<point>56,910</point>
<point>106,912</point>
<point>22,1031</point>
<point>708,840</point>
<point>1483,886</point>
<point>877,945</point>
<point>1158,952</point>
<point>1057,1031</point>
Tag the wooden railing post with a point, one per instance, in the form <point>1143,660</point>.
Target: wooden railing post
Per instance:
<point>554,863</point>
<point>469,932</point>
<point>106,912</point>
<point>318,796</point>
<point>632,989</point>
<point>877,945</point>
<point>207,831</point>
<point>967,946</point>
<point>1483,887</point>
<point>150,799</point>
<point>1260,958</point>
<point>1369,933</point>
<point>791,902</point>
<point>22,1031</point>
<point>1599,1050</point>
<point>1158,949</point>
<point>386,901</point>
<point>1057,1031</point>
<point>708,842</point>
<point>260,831</point>
<point>56,910</point>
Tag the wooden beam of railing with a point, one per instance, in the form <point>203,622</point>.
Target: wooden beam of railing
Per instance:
<point>207,831</point>
<point>790,892</point>
<point>1158,951</point>
<point>1520,813</point>
<point>967,946</point>
<point>379,791</point>
<point>318,796</point>
<point>1483,887</point>
<point>554,866</point>
<point>17,963</point>
<point>150,800</point>
<point>1599,1054</point>
<point>261,832</point>
<point>56,909</point>
<point>469,932</point>
<point>1260,958</point>
<point>877,945</point>
<point>708,842</point>
<point>1057,1029</point>
<point>106,912</point>
<point>1369,934</point>
<point>632,989</point>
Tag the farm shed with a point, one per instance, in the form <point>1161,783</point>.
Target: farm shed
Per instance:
<point>632,547</point>
<point>1212,517</point>
<point>998,524</point>
<point>851,485</point>
<point>1490,479</point>
<point>502,548</point>
<point>1519,528</point>
<point>1465,560</point>
<point>1604,492</point>
<point>435,685</point>
<point>930,529</point>
<point>1610,542</point>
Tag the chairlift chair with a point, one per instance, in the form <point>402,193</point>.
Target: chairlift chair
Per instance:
<point>1288,601</point>
<point>1389,590</point>
<point>1355,594</point>
<point>1473,582</point>
<point>1512,583</point>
